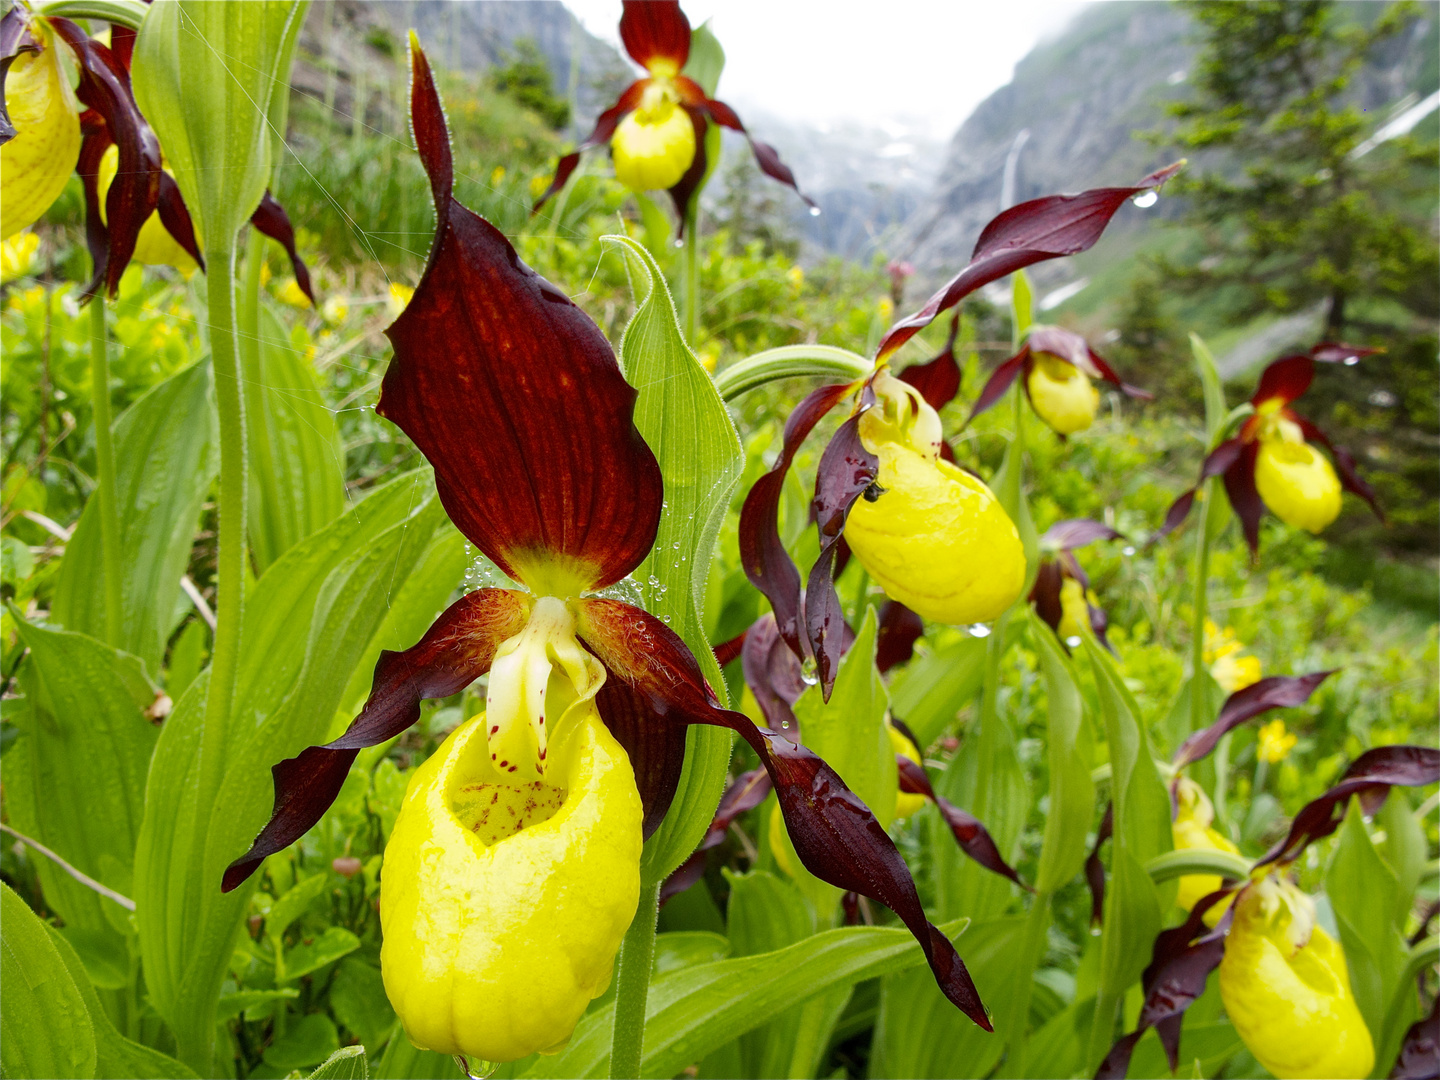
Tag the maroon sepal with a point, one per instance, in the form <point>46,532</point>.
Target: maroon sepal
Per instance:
<point>900,628</point>
<point>683,190</point>
<point>972,836</point>
<point>999,381</point>
<point>134,195</point>
<point>656,749</point>
<point>1095,869</point>
<point>1337,352</point>
<point>1350,478</point>
<point>766,156</point>
<point>122,43</point>
<point>175,216</point>
<point>1074,349</point>
<point>1078,532</point>
<point>515,397</point>
<point>1215,464</point>
<point>1045,595</point>
<point>729,651</point>
<point>270,218</point>
<point>655,30</point>
<point>1179,967</point>
<point>938,380</point>
<point>1420,1049</point>
<point>15,39</point>
<point>1021,236</point>
<point>767,564</point>
<point>846,472</point>
<point>1369,776</point>
<point>605,125</point>
<point>1275,692</point>
<point>455,651</point>
<point>835,835</point>
<point>774,675</point>
<point>1286,379</point>
<point>746,791</point>
<point>1239,480</point>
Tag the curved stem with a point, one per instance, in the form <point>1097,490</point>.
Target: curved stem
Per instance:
<point>105,462</point>
<point>789,362</point>
<point>632,987</point>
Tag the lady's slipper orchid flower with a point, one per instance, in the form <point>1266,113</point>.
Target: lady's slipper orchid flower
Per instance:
<point>1059,367</point>
<point>934,536</point>
<point>656,128</point>
<point>512,871</point>
<point>1061,593</point>
<point>1283,980</point>
<point>1272,464</point>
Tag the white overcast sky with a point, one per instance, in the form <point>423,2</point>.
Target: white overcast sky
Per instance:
<point>925,62</point>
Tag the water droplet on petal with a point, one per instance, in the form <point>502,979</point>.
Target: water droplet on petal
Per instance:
<point>477,1068</point>
<point>1351,361</point>
<point>1073,641</point>
<point>814,211</point>
<point>807,671</point>
<point>679,242</point>
<point>979,630</point>
<point>1146,199</point>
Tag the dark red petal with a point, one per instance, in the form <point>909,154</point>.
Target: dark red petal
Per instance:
<point>1337,352</point>
<point>766,156</point>
<point>122,44</point>
<point>94,141</point>
<point>270,218</point>
<point>656,749</point>
<point>900,628</point>
<point>1021,236</point>
<point>767,564</point>
<point>15,39</point>
<point>135,192</point>
<point>1285,379</point>
<point>846,471</point>
<point>1045,594</point>
<point>1215,464</point>
<point>683,190</point>
<point>773,674</point>
<point>1077,532</point>
<point>655,30</point>
<point>999,382</point>
<point>1370,776</point>
<point>1275,692</point>
<point>175,216</point>
<point>605,126</point>
<point>455,651</point>
<point>1420,1049</point>
<point>1073,348</point>
<point>972,836</point>
<point>729,651</point>
<point>836,836</point>
<point>938,380</point>
<point>514,396</point>
<point>1106,372</point>
<point>1350,477</point>
<point>1244,497</point>
<point>746,791</point>
<point>1095,869</point>
<point>1100,625</point>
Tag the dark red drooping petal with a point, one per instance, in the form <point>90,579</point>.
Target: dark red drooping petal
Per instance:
<point>938,380</point>
<point>1107,373</point>
<point>773,674</point>
<point>515,397</point>
<point>94,141</point>
<point>1078,532</point>
<point>1239,480</point>
<point>270,218</point>
<point>1337,352</point>
<point>605,126</point>
<point>455,651</point>
<point>1095,869</point>
<point>1175,978</point>
<point>683,190</point>
<point>847,471</point>
<point>1275,692</point>
<point>999,381</point>
<point>767,564</point>
<point>656,749</point>
<point>15,40</point>
<point>175,216</point>
<point>766,156</point>
<point>135,193</point>
<point>655,30</point>
<point>1284,380</point>
<point>1027,233</point>
<point>900,628</point>
<point>1370,776</point>
<point>1420,1049</point>
<point>746,791</point>
<point>1216,463</point>
<point>972,836</point>
<point>1350,478</point>
<point>835,835</point>
<point>1045,594</point>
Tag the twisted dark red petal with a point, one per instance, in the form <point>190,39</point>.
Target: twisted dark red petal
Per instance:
<point>999,381</point>
<point>766,156</point>
<point>1021,236</point>
<point>972,836</point>
<point>746,791</point>
<point>836,836</point>
<point>1337,352</point>
<point>656,749</point>
<point>1078,532</point>
<point>900,628</point>
<point>767,564</point>
<point>1285,379</point>
<point>1095,869</point>
<point>515,397</point>
<point>773,674</point>
<point>15,39</point>
<point>1216,463</point>
<point>1045,594</point>
<point>1370,776</point>
<point>1275,692</point>
<point>270,218</point>
<point>175,216</point>
<point>1350,477</point>
<point>938,380</point>
<point>605,126</point>
<point>655,30</point>
<point>1239,480</point>
<point>455,651</point>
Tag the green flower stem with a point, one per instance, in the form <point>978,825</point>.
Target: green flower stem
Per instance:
<point>1199,699</point>
<point>790,362</point>
<point>105,461</point>
<point>247,314</point>
<point>632,986</point>
<point>692,271</point>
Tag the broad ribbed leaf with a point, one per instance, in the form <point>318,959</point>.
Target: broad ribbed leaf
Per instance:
<point>1068,744</point>
<point>45,1029</point>
<point>929,692</point>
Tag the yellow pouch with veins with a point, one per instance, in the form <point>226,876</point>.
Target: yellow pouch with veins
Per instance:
<point>1061,394</point>
<point>1297,482</point>
<point>1191,829</point>
<point>36,164</point>
<point>936,538</point>
<point>655,144</point>
<point>1286,989</point>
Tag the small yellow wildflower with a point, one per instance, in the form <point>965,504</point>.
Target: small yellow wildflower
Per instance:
<point>497,175</point>
<point>1275,742</point>
<point>1231,671</point>
<point>400,295</point>
<point>291,293</point>
<point>886,307</point>
<point>335,309</point>
<point>796,276</point>
<point>17,255</point>
<point>538,184</point>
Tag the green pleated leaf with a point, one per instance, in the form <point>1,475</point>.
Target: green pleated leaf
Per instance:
<point>297,464</point>
<point>687,427</point>
<point>347,1063</point>
<point>1068,745</point>
<point>692,1012</point>
<point>166,456</point>
<point>45,1028</point>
